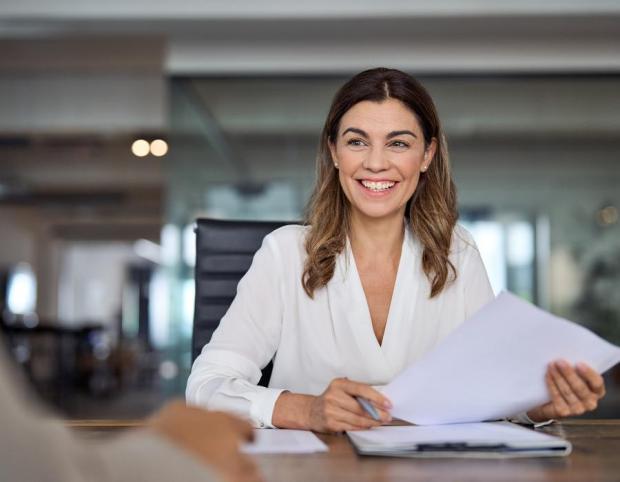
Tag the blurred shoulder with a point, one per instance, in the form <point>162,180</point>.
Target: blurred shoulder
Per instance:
<point>463,242</point>
<point>461,236</point>
<point>289,238</point>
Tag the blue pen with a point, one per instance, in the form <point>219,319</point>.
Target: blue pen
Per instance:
<point>369,408</point>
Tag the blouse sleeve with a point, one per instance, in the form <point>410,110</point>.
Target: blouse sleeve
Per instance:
<point>226,373</point>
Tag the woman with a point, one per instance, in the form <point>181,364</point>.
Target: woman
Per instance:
<point>376,278</point>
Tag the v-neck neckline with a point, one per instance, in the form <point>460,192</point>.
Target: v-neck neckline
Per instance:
<point>394,301</point>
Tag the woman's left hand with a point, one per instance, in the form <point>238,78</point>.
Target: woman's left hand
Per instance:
<point>573,390</point>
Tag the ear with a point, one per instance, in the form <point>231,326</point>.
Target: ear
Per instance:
<point>429,154</point>
<point>332,151</point>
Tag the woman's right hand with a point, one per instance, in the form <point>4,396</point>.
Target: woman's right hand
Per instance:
<point>337,410</point>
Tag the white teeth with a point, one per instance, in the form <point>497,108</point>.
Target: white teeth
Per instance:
<point>378,186</point>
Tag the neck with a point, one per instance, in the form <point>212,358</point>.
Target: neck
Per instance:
<point>379,238</point>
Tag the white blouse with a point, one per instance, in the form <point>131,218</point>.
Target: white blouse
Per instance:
<point>330,336</point>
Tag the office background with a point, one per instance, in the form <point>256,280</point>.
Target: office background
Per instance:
<point>228,100</point>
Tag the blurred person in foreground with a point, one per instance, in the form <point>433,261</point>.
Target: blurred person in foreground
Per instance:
<point>177,443</point>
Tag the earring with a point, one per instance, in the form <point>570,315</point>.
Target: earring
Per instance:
<point>336,165</point>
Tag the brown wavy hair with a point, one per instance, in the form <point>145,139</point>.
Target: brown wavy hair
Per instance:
<point>431,212</point>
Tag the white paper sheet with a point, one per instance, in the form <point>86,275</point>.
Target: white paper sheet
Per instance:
<point>493,365</point>
<point>277,441</point>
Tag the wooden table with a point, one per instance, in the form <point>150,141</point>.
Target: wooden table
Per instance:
<point>595,457</point>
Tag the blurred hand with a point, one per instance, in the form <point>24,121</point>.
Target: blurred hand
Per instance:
<point>215,437</point>
<point>573,390</point>
<point>336,409</point>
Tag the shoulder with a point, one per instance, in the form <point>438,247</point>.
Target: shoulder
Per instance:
<point>463,245</point>
<point>291,233</point>
<point>462,239</point>
<point>287,241</point>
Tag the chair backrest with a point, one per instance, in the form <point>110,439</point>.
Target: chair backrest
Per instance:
<point>224,252</point>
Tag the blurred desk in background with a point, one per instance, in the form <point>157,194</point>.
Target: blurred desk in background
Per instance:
<point>55,358</point>
<point>595,457</point>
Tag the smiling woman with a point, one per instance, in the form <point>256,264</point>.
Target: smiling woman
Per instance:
<point>381,137</point>
<point>377,277</point>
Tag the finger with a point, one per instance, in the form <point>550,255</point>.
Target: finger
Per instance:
<point>339,427</point>
<point>593,379</point>
<point>547,411</point>
<point>362,390</point>
<point>245,464</point>
<point>576,383</point>
<point>244,469</point>
<point>241,427</point>
<point>340,415</point>
<point>558,404</point>
<point>250,477</point>
<point>571,399</point>
<point>347,402</point>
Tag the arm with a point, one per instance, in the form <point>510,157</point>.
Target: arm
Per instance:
<point>35,446</point>
<point>335,410</point>
<point>226,373</point>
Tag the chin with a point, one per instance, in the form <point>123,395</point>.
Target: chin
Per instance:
<point>377,212</point>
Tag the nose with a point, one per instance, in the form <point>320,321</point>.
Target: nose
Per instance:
<point>376,160</point>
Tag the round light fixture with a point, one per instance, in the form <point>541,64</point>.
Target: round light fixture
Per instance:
<point>159,147</point>
<point>140,148</point>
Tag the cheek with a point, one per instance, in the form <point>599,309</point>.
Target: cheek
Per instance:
<point>345,180</point>
<point>348,162</point>
<point>411,173</point>
<point>412,185</point>
<point>410,167</point>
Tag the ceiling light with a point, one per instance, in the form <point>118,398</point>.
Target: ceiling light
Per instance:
<point>140,148</point>
<point>159,147</point>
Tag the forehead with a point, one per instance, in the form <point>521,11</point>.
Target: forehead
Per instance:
<point>380,117</point>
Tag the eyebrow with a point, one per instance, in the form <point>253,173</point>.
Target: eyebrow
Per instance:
<point>389,136</point>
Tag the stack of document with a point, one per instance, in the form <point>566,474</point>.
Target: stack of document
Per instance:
<point>492,367</point>
<point>491,439</point>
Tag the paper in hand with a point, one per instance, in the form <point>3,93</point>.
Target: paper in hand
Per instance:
<point>494,365</point>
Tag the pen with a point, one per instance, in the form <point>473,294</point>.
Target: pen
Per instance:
<point>369,408</point>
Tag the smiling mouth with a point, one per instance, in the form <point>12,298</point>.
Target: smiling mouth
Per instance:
<point>377,186</point>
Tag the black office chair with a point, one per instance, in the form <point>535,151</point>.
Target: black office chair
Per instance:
<point>224,252</point>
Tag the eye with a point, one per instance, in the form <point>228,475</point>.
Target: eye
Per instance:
<point>399,144</point>
<point>355,142</point>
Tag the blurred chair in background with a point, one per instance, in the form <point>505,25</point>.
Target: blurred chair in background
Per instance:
<point>224,252</point>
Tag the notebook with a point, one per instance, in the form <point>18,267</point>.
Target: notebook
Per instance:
<point>478,440</point>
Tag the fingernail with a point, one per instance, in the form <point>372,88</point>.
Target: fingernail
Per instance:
<point>582,366</point>
<point>563,364</point>
<point>387,404</point>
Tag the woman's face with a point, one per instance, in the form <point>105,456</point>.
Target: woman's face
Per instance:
<point>379,153</point>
